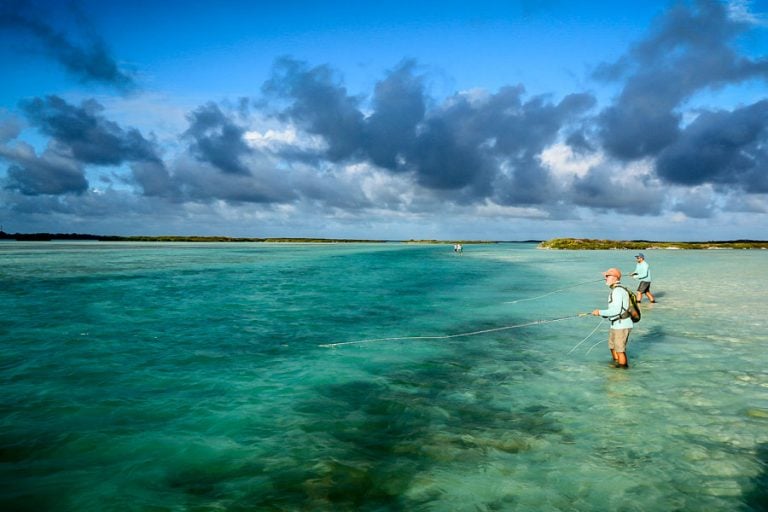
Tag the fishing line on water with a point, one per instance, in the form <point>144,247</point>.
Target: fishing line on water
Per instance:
<point>593,346</point>
<point>473,333</point>
<point>588,336</point>
<point>552,292</point>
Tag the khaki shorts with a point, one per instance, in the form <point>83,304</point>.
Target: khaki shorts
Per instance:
<point>617,339</point>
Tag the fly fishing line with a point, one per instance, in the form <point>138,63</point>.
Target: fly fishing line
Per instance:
<point>447,336</point>
<point>588,336</point>
<point>552,292</point>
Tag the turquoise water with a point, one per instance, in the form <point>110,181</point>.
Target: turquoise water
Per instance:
<point>174,377</point>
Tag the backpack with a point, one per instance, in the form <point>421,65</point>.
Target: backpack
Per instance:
<point>634,308</point>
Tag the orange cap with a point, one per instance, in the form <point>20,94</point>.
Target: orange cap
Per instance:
<point>613,272</point>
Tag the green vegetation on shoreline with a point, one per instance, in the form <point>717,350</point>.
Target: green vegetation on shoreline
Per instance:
<point>48,237</point>
<point>555,243</point>
<point>463,242</point>
<point>595,244</point>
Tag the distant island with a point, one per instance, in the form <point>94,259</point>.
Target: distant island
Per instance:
<point>463,242</point>
<point>49,237</point>
<point>636,245</point>
<point>555,243</point>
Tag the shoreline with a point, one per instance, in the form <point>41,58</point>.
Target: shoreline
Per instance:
<point>84,237</point>
<point>552,244</point>
<point>582,244</point>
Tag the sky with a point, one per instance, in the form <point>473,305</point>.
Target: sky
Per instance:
<point>485,120</point>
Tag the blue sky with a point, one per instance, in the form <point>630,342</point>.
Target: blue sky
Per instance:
<point>486,120</point>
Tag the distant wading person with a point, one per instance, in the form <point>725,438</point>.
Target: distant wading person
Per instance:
<point>643,273</point>
<point>618,305</point>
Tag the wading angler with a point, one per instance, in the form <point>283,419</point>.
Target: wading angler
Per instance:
<point>618,312</point>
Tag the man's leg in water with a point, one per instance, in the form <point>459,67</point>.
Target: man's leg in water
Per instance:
<point>617,342</point>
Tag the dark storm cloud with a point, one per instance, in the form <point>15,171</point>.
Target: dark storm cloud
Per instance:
<point>92,138</point>
<point>399,106</point>
<point>80,136</point>
<point>522,131</point>
<point>217,139</point>
<point>54,172</point>
<point>579,142</point>
<point>464,145</point>
<point>318,102</point>
<point>602,189</point>
<point>201,182</point>
<point>154,179</point>
<point>491,144</point>
<point>695,203</point>
<point>721,148</point>
<point>446,153</point>
<point>690,50</point>
<point>90,62</point>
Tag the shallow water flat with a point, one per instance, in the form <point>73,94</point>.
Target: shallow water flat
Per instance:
<point>193,377</point>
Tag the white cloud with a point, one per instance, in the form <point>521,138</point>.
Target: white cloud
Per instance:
<point>269,137</point>
<point>475,96</point>
<point>491,209</point>
<point>383,188</point>
<point>564,162</point>
<point>678,217</point>
<point>741,11</point>
<point>633,173</point>
<point>275,138</point>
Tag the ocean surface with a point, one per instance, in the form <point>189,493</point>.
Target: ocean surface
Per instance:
<point>234,377</point>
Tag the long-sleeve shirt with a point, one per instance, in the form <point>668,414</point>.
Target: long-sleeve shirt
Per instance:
<point>618,302</point>
<point>643,271</point>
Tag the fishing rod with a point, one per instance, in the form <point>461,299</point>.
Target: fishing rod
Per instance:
<point>553,291</point>
<point>447,336</point>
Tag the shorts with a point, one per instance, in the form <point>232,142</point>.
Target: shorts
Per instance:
<point>645,286</point>
<point>618,339</point>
